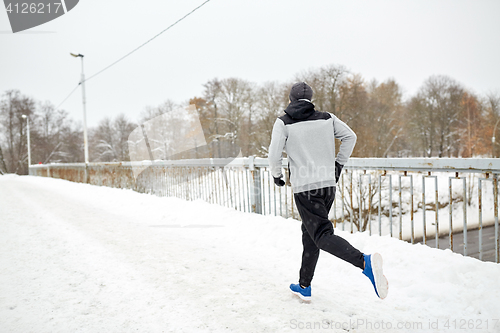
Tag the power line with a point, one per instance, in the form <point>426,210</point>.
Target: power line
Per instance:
<point>137,48</point>
<point>71,93</point>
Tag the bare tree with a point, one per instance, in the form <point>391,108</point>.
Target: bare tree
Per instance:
<point>50,132</point>
<point>272,99</point>
<point>326,83</point>
<point>421,125</point>
<point>492,109</point>
<point>235,101</point>
<point>3,167</point>
<point>384,113</point>
<point>228,115</point>
<point>436,111</point>
<point>110,139</point>
<point>12,107</point>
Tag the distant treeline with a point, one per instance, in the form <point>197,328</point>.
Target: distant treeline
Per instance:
<point>443,119</point>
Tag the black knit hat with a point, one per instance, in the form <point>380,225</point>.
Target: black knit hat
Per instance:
<point>300,90</point>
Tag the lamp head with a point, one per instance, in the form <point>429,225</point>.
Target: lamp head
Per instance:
<point>24,116</point>
<point>77,55</point>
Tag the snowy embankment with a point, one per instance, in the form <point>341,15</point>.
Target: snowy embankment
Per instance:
<point>81,258</point>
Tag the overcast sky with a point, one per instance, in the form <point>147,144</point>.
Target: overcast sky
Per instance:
<point>256,40</point>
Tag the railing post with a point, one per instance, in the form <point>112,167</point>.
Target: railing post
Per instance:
<point>87,175</point>
<point>495,205</point>
<point>480,210</point>
<point>342,200</point>
<point>255,191</point>
<point>464,230</point>
<point>412,231</point>
<point>352,204</point>
<point>424,210</point>
<point>361,201</point>
<point>380,202</point>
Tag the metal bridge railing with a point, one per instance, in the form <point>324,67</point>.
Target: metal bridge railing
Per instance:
<point>427,193</point>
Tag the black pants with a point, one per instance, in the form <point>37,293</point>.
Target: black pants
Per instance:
<point>317,232</point>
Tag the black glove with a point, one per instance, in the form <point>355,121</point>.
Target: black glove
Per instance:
<point>279,181</point>
<point>338,170</point>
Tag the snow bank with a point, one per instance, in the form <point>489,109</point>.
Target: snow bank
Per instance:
<point>82,258</point>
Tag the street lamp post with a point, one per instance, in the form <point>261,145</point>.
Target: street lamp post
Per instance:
<point>85,140</point>
<point>29,142</point>
<point>493,139</point>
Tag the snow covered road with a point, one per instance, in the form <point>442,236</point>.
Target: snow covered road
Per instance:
<point>81,258</point>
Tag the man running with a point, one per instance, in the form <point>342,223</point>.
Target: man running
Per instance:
<point>308,136</point>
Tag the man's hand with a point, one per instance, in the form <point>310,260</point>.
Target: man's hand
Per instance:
<point>338,170</point>
<point>279,181</point>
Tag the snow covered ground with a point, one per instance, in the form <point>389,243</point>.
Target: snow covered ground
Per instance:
<point>81,258</point>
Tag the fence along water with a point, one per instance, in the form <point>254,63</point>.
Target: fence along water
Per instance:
<point>413,199</point>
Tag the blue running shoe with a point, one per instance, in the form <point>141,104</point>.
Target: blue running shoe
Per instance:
<point>303,293</point>
<point>373,270</point>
